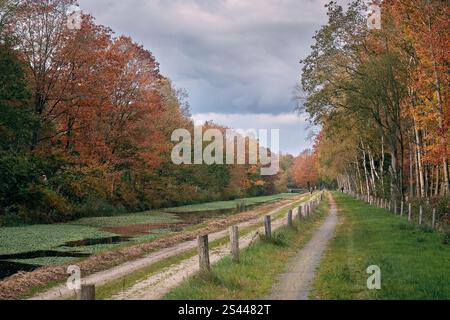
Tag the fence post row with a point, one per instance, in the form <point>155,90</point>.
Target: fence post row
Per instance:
<point>392,205</point>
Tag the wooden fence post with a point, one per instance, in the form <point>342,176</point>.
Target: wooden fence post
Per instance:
<point>234,240</point>
<point>203,253</point>
<point>395,207</point>
<point>267,227</point>
<point>420,214</point>
<point>409,212</point>
<point>433,221</point>
<point>299,213</point>
<point>87,292</point>
<point>289,218</point>
<point>401,209</point>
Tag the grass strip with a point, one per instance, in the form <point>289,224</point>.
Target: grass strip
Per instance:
<point>414,260</point>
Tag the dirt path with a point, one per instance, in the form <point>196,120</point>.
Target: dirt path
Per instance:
<point>100,278</point>
<point>296,283</point>
<point>157,285</point>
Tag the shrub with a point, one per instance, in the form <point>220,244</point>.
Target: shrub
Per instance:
<point>99,207</point>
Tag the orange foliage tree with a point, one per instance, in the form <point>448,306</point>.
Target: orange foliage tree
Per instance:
<point>305,169</point>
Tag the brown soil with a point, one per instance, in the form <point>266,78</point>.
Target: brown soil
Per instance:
<point>20,284</point>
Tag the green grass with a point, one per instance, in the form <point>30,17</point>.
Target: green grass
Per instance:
<point>255,275</point>
<point>52,237</point>
<point>224,205</point>
<point>43,237</point>
<point>414,261</point>
<point>127,219</point>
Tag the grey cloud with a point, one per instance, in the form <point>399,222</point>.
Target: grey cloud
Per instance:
<point>231,55</point>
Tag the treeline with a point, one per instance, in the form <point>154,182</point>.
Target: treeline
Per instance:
<point>382,98</point>
<point>86,120</point>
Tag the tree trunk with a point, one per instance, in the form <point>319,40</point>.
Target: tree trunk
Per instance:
<point>411,178</point>
<point>419,162</point>
<point>393,170</point>
<point>437,81</point>
<point>359,174</point>
<point>436,186</point>
<point>365,171</point>
<point>382,165</point>
<point>372,170</point>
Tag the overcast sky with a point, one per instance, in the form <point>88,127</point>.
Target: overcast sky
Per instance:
<point>238,59</point>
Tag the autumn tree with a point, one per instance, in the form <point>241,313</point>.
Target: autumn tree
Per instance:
<point>380,98</point>
<point>305,170</point>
